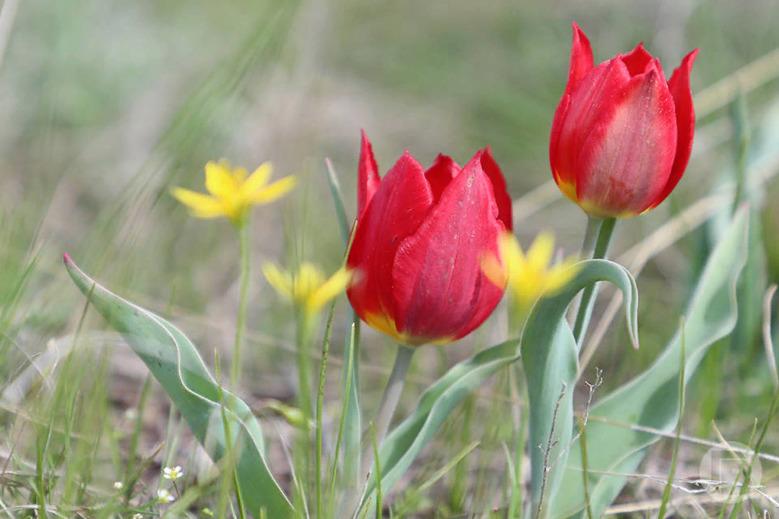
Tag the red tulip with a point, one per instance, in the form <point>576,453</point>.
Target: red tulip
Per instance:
<point>419,242</point>
<point>622,135</point>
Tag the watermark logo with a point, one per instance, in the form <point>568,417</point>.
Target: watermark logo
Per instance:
<point>721,466</point>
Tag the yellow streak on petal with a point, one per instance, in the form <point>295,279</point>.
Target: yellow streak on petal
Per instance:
<point>200,205</point>
<point>274,191</point>
<point>384,324</point>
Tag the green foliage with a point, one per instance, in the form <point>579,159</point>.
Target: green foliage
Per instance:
<point>406,441</point>
<point>221,421</point>
<point>651,400</point>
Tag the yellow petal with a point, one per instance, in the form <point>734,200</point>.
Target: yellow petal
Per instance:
<point>540,253</point>
<point>201,206</point>
<point>219,180</point>
<point>328,290</point>
<point>511,254</point>
<point>494,271</point>
<point>257,180</point>
<point>280,281</point>
<point>274,191</point>
<point>560,275</point>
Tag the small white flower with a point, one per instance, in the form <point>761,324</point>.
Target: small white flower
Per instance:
<point>172,473</point>
<point>164,497</point>
<point>131,414</point>
<point>137,516</point>
<point>118,485</point>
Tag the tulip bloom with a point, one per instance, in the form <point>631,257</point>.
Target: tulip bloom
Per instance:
<point>622,134</point>
<point>418,244</point>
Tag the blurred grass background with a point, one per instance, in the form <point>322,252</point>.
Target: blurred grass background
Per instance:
<point>105,105</point>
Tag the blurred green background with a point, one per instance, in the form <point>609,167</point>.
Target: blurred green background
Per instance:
<point>105,105</point>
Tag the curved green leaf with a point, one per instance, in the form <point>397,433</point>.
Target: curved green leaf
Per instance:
<point>176,364</point>
<point>407,440</point>
<point>651,400</point>
<point>550,359</point>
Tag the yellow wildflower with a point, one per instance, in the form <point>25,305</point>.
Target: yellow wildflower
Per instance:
<point>528,276</point>
<point>307,287</point>
<point>232,191</point>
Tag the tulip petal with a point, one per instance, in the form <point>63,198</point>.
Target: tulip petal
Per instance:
<point>441,173</point>
<point>592,103</point>
<point>679,85</point>
<point>581,58</point>
<point>581,64</point>
<point>396,211</point>
<point>439,287</point>
<point>638,60</point>
<point>499,189</point>
<point>367,174</point>
<point>626,161</point>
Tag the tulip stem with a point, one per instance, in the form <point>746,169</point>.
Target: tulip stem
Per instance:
<point>391,396</point>
<point>235,372</point>
<point>596,245</point>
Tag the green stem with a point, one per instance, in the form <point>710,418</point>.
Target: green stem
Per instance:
<point>302,457</point>
<point>305,329</point>
<point>598,250</point>
<point>391,397</point>
<point>243,297</point>
<point>320,399</point>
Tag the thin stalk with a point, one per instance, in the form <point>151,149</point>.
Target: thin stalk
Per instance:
<point>391,396</point>
<point>302,455</point>
<point>377,464</point>
<point>675,454</point>
<point>320,398</point>
<point>243,297</point>
<point>585,465</point>
<point>605,229</point>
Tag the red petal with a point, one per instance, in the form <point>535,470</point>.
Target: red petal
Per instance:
<point>581,58</point>
<point>638,60</point>
<point>591,104</point>
<point>441,173</point>
<point>367,175</point>
<point>561,175</point>
<point>437,277</point>
<point>581,63</point>
<point>502,197</point>
<point>679,85</point>
<point>395,212</point>
<point>626,162</point>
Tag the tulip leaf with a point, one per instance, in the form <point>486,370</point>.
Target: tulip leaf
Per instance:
<point>176,364</point>
<point>550,360</point>
<point>618,434</point>
<point>407,440</point>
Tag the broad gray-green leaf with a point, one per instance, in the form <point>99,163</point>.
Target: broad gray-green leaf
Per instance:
<point>651,400</point>
<point>178,367</point>
<point>549,356</point>
<point>406,441</point>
